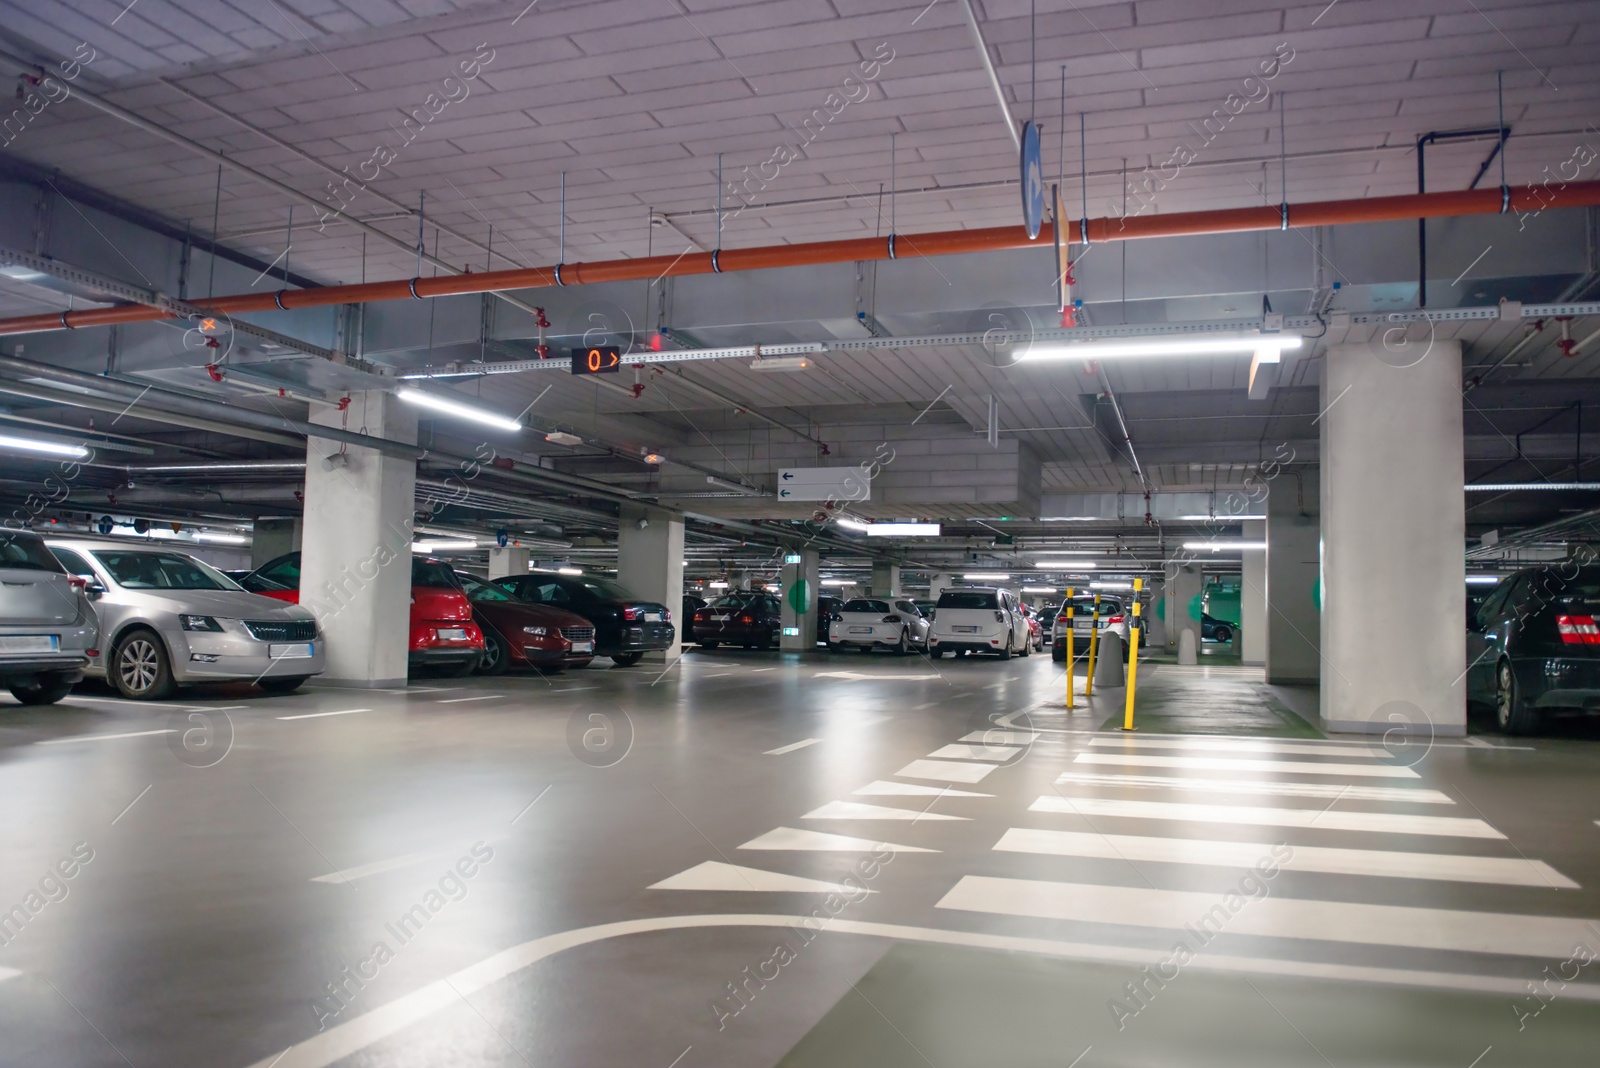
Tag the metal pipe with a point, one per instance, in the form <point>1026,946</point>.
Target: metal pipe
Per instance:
<point>95,404</point>
<point>943,243</point>
<point>988,68</point>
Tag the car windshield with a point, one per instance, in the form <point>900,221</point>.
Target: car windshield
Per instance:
<point>479,590</point>
<point>142,570</point>
<point>25,552</point>
<point>969,599</point>
<point>606,590</point>
<point>875,607</point>
<point>432,574</point>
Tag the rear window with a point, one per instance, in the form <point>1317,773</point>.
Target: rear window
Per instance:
<point>25,552</point>
<point>431,574</point>
<point>969,599</point>
<point>1585,585</point>
<point>875,607</point>
<point>1109,606</point>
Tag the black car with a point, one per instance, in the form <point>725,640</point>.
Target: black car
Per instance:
<point>625,626</point>
<point>1216,630</point>
<point>691,605</point>
<point>753,620</point>
<point>826,607</point>
<point>1533,648</point>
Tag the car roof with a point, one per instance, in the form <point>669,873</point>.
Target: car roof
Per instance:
<point>123,544</point>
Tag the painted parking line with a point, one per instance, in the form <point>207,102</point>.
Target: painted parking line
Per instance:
<point>1200,784</point>
<point>856,810</point>
<point>574,689</point>
<point>796,838</point>
<point>8,973</point>
<point>1288,767</point>
<point>995,736</point>
<point>460,700</point>
<point>1450,867</point>
<point>720,675</point>
<point>717,875</point>
<point>349,875</point>
<point>889,788</point>
<point>961,751</point>
<point>946,770</point>
<point>315,715</point>
<point>103,737</point>
<point>1322,819</point>
<point>791,747</point>
<point>1243,746</point>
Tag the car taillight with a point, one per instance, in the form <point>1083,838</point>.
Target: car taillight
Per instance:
<point>631,613</point>
<point>999,617</point>
<point>1578,630</point>
<point>666,615</point>
<point>1113,619</point>
<point>747,618</point>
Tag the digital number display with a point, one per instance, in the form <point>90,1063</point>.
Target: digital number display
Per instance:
<point>597,360</point>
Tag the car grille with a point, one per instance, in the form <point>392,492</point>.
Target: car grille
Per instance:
<point>578,634</point>
<point>290,630</point>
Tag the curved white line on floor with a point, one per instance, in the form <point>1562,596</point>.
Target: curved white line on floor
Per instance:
<point>347,1038</point>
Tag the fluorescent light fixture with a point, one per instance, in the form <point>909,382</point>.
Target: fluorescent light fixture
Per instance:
<point>49,448</point>
<point>854,524</point>
<point>1220,546</point>
<point>986,575</point>
<point>838,582</point>
<point>1038,589</point>
<point>427,547</point>
<point>1072,519</point>
<point>222,539</point>
<point>1482,580</point>
<point>222,465</point>
<point>1111,585</point>
<point>565,570</point>
<point>1507,487</point>
<point>1219,518</point>
<point>1065,565</point>
<point>461,411</point>
<point>737,487</point>
<point>903,530</point>
<point>780,363</point>
<point>561,437</point>
<point>1272,344</point>
<point>772,588</point>
<point>717,585</point>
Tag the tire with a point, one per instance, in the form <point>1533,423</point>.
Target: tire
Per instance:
<point>46,691</point>
<point>1060,658</point>
<point>904,648</point>
<point>1005,650</point>
<point>1224,634</point>
<point>709,645</point>
<point>495,658</point>
<point>282,685</point>
<point>139,667</point>
<point>834,647</point>
<point>1027,649</point>
<point>626,659</point>
<point>936,654</point>
<point>1512,714</point>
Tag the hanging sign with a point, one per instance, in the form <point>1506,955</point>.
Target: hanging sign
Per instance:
<point>1032,181</point>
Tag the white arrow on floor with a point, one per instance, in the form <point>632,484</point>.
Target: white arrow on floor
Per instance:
<point>715,875</point>
<point>818,841</point>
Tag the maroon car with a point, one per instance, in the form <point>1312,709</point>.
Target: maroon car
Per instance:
<point>520,634</point>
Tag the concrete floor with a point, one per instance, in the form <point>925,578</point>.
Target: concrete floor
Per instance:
<point>617,866</point>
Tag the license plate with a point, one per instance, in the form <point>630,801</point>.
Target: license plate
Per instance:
<point>583,647</point>
<point>714,619</point>
<point>653,617</point>
<point>452,634</point>
<point>30,643</point>
<point>965,630</point>
<point>291,652</point>
<point>860,630</point>
<point>1083,624</point>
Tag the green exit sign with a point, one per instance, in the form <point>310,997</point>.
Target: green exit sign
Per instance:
<point>792,558</point>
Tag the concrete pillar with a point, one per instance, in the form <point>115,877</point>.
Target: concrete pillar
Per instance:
<point>1182,602</point>
<point>514,560</point>
<point>650,564</point>
<point>738,580</point>
<point>885,580</point>
<point>355,570</point>
<point>802,572</point>
<point>272,538</point>
<point>1294,575</point>
<point>1252,637</point>
<point>938,582</point>
<point>1153,613</point>
<point>1393,534</point>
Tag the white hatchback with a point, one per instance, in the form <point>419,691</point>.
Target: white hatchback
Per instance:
<point>867,622</point>
<point>979,619</point>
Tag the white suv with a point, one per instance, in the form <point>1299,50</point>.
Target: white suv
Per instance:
<point>979,619</point>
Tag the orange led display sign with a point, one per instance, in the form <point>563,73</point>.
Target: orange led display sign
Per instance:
<point>596,360</point>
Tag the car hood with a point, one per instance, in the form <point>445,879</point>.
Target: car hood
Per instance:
<point>533,615</point>
<point>225,603</point>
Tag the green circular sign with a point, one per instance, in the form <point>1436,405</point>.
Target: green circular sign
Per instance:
<point>800,596</point>
<point>1196,608</point>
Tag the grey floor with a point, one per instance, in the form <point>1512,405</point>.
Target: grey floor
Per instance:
<point>211,918</point>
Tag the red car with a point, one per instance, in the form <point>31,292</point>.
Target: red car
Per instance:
<point>519,634</point>
<point>1035,628</point>
<point>443,634</point>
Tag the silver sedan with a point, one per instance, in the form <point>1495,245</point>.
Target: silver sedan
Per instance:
<point>869,622</point>
<point>167,619</point>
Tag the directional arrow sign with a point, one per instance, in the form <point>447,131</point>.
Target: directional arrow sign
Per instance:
<point>824,484</point>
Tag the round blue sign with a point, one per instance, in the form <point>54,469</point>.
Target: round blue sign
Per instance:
<point>1032,180</point>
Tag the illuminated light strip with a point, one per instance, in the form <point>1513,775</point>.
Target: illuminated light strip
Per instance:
<point>1510,487</point>
<point>1196,346</point>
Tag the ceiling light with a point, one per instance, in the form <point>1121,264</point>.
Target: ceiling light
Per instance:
<point>460,411</point>
<point>772,588</point>
<point>1482,580</point>
<point>737,487</point>
<point>1190,346</point>
<point>854,524</point>
<point>223,539</point>
<point>224,465</point>
<point>1504,487</point>
<point>838,582</point>
<point>428,547</point>
<point>49,448</point>
<point>986,575</point>
<point>569,570</point>
<point>561,437</point>
<point>1065,565</point>
<point>1219,545</point>
<point>903,530</point>
<point>1038,589</point>
<point>780,363</point>
<point>717,585</point>
<point>1111,585</point>
<point>653,458</point>
<point>1219,518</point>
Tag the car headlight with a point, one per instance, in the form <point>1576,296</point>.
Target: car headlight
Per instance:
<point>188,622</point>
<point>538,632</point>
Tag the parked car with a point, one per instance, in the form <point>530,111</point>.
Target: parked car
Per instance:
<point>1035,629</point>
<point>1113,617</point>
<point>442,633</point>
<point>167,620</point>
<point>1217,630</point>
<point>753,620</point>
<point>826,606</point>
<point>1533,648</point>
<point>926,608</point>
<point>869,622</point>
<point>1047,621</point>
<point>691,605</point>
<point>48,630</point>
<point>519,634</point>
<point>979,619</point>
<point>625,626</point>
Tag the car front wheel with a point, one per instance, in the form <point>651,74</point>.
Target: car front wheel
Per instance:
<point>626,659</point>
<point>1512,713</point>
<point>139,667</point>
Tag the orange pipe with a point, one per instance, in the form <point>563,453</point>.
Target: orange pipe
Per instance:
<point>945,243</point>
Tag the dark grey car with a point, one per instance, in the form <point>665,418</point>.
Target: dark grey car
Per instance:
<point>48,629</point>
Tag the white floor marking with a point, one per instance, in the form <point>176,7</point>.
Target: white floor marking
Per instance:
<point>1548,937</point>
<point>1504,871</point>
<point>1243,746</point>
<point>8,973</point>
<point>820,841</point>
<point>314,715</point>
<point>459,700</point>
<point>1322,819</point>
<point>121,701</point>
<point>960,751</point>
<point>791,747</point>
<point>886,788</point>
<point>1330,790</point>
<point>873,721</point>
<point>946,770</point>
<point>715,875</point>
<point>574,689</point>
<point>1287,767</point>
<point>350,875</point>
<point>102,737</point>
<point>720,675</point>
<point>856,810</point>
<point>996,736</point>
<point>875,675</point>
<point>343,1040</point>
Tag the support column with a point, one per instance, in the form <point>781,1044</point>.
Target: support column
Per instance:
<point>1253,598</point>
<point>355,570</point>
<point>799,597</point>
<point>514,560</point>
<point>938,582</point>
<point>1393,536</point>
<point>1294,575</point>
<point>885,580</point>
<point>650,563</point>
<point>1183,603</point>
<point>272,538</point>
<point>1154,614</point>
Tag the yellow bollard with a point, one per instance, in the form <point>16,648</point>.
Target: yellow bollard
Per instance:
<point>1094,640</point>
<point>1133,655</point>
<point>1069,645</point>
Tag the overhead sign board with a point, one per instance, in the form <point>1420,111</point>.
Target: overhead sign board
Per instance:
<point>824,484</point>
<point>597,360</point>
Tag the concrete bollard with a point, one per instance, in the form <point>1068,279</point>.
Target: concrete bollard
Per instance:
<point>1186,647</point>
<point>1109,660</point>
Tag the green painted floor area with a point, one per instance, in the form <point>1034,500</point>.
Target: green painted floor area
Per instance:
<point>924,1006</point>
<point>1208,699</point>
